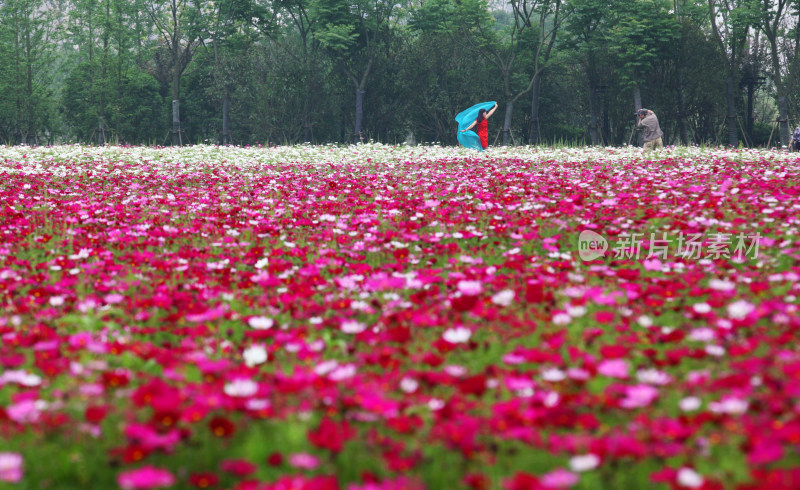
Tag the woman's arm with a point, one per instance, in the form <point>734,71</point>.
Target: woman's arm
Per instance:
<point>470,126</point>
<point>489,114</point>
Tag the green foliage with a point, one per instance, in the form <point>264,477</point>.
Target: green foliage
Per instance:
<point>133,109</point>
<point>288,69</point>
<point>641,33</point>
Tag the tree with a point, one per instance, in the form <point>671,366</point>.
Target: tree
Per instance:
<point>353,32</point>
<point>545,17</point>
<point>26,37</point>
<point>178,24</point>
<point>730,23</point>
<point>292,25</point>
<point>588,40</point>
<point>642,34</point>
<point>771,17</point>
<point>516,45</point>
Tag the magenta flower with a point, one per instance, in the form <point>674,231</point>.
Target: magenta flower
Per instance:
<point>10,467</point>
<point>144,478</point>
<point>639,396</point>
<point>303,461</point>
<point>559,478</point>
<point>614,368</point>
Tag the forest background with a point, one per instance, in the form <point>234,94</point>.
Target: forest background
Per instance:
<point>340,71</point>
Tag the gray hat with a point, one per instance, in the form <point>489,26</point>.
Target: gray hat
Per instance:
<point>641,112</point>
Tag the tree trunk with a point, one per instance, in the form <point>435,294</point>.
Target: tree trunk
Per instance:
<point>507,123</point>
<point>751,89</point>
<point>176,93</point>
<point>683,128</point>
<point>308,121</point>
<point>534,136</point>
<point>176,123</point>
<point>733,133</point>
<point>357,137</point>
<point>783,110</point>
<point>226,118</point>
<point>594,131</point>
<point>637,104</point>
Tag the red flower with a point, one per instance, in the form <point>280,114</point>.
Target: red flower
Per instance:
<point>221,427</point>
<point>134,453</point>
<point>203,480</point>
<point>275,459</point>
<point>238,467</point>
<point>523,481</point>
<point>330,435</point>
<point>95,414</point>
<point>477,481</point>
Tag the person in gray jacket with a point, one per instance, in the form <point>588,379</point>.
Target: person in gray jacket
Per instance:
<point>651,131</point>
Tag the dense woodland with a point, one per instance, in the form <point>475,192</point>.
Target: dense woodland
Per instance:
<point>321,71</point>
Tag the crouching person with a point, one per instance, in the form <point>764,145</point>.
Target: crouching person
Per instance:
<point>651,131</point>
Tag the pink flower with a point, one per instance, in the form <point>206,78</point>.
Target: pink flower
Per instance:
<point>10,467</point>
<point>639,396</point>
<point>304,461</point>
<point>559,478</point>
<point>614,368</point>
<point>765,452</point>
<point>113,298</point>
<point>145,477</point>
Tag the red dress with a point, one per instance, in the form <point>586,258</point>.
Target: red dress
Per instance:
<point>482,128</point>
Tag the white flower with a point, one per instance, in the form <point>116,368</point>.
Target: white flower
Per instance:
<point>653,377</point>
<point>551,399</point>
<point>740,309</point>
<point>733,406</point>
<point>20,377</point>
<point>561,318</point>
<point>553,375</point>
<point>257,404</point>
<point>576,311</point>
<point>241,388</point>
<point>687,477</point>
<point>343,372</point>
<point>455,371</point>
<point>325,367</point>
<point>504,298</point>
<point>584,463</point>
<point>352,327</point>
<point>470,288</point>
<point>435,404</point>
<point>56,301</point>
<point>457,335</point>
<point>721,285</point>
<point>255,355</point>
<point>701,308</point>
<point>262,263</point>
<point>409,385</point>
<point>702,335</point>
<point>261,322</point>
<point>689,404</point>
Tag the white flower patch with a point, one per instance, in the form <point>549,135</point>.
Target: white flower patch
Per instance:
<point>254,355</point>
<point>504,298</point>
<point>457,335</point>
<point>261,323</point>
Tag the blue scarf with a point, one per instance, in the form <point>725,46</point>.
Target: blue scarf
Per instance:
<point>470,139</point>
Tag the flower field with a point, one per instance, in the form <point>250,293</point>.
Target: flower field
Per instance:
<point>380,317</point>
